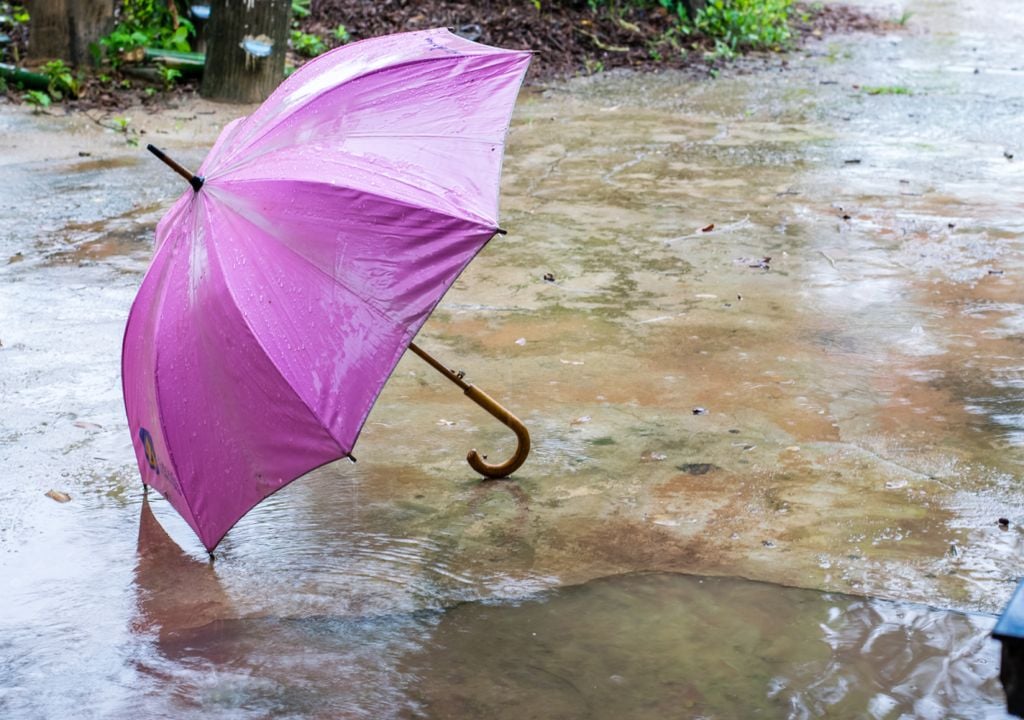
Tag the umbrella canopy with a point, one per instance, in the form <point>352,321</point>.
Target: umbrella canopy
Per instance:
<point>285,287</point>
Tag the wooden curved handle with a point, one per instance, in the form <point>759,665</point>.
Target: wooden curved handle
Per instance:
<point>508,467</point>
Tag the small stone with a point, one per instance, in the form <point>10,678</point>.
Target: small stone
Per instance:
<point>549,277</point>
<point>700,411</point>
<point>1004,523</point>
<point>61,497</point>
<point>697,468</point>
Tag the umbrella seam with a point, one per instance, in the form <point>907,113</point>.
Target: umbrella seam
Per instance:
<point>469,217</point>
<point>383,313</point>
<point>225,177</point>
<point>165,284</point>
<point>256,338</point>
<point>371,73</point>
<point>410,334</point>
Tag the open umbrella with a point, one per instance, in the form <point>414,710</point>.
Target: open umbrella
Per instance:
<point>319,234</point>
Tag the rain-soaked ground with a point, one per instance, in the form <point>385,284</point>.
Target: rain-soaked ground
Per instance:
<point>770,456</point>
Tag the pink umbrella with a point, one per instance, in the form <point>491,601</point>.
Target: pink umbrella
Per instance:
<point>319,234</point>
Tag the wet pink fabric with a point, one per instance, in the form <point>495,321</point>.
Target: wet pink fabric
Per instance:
<point>283,293</point>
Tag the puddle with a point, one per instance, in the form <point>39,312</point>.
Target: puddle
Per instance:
<point>630,646</point>
<point>682,646</point>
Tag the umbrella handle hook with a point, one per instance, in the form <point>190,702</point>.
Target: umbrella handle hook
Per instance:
<point>496,409</point>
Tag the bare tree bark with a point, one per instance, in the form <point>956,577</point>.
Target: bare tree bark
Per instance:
<point>90,20</point>
<point>65,28</point>
<point>246,42</point>
<point>50,30</point>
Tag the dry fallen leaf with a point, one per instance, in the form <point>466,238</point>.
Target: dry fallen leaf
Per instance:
<point>61,497</point>
<point>708,228</point>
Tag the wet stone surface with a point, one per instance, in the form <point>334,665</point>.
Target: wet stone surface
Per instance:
<point>850,328</point>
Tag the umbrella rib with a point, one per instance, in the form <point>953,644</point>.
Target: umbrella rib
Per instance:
<point>171,248</point>
<point>267,228</point>
<point>469,217</point>
<point>389,68</point>
<point>225,196</point>
<point>256,338</point>
<point>461,138</point>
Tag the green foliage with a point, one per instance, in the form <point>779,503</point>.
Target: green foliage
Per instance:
<point>746,24</point>
<point>37,98</point>
<point>300,8</point>
<point>886,90</point>
<point>341,34</point>
<point>12,15</point>
<point>733,25</point>
<point>678,8</point>
<point>147,23</point>
<point>307,44</point>
<point>168,76</point>
<point>62,82</point>
<point>722,51</point>
<point>13,21</point>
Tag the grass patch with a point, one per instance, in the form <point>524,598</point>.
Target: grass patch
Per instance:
<point>886,90</point>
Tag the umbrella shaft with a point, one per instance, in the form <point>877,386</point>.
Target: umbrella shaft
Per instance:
<point>439,366</point>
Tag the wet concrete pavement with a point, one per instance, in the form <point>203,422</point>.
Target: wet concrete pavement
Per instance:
<point>825,390</point>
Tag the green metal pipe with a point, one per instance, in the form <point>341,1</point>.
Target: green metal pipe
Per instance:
<point>29,80</point>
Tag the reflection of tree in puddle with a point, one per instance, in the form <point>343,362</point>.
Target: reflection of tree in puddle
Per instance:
<point>684,646</point>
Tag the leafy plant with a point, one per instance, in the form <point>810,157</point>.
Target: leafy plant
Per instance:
<point>168,76</point>
<point>886,90</point>
<point>13,25</point>
<point>62,82</point>
<point>722,51</point>
<point>341,34</point>
<point>746,24</point>
<point>307,44</point>
<point>12,15</point>
<point>300,8</point>
<point>147,23</point>
<point>37,98</point>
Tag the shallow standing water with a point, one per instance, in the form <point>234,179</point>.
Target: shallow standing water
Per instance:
<point>822,392</point>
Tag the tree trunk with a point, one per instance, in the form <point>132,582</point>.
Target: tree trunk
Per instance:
<point>90,20</point>
<point>246,42</point>
<point>693,7</point>
<point>49,34</point>
<point>65,28</point>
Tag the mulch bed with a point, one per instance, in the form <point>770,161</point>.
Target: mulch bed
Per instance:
<point>568,39</point>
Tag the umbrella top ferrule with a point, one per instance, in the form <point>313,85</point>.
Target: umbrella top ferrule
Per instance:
<point>196,181</point>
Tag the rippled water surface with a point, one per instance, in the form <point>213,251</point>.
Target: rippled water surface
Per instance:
<point>822,393</point>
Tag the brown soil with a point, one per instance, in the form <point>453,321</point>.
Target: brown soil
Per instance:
<point>568,39</point>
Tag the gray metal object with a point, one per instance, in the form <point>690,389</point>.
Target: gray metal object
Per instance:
<point>1009,630</point>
